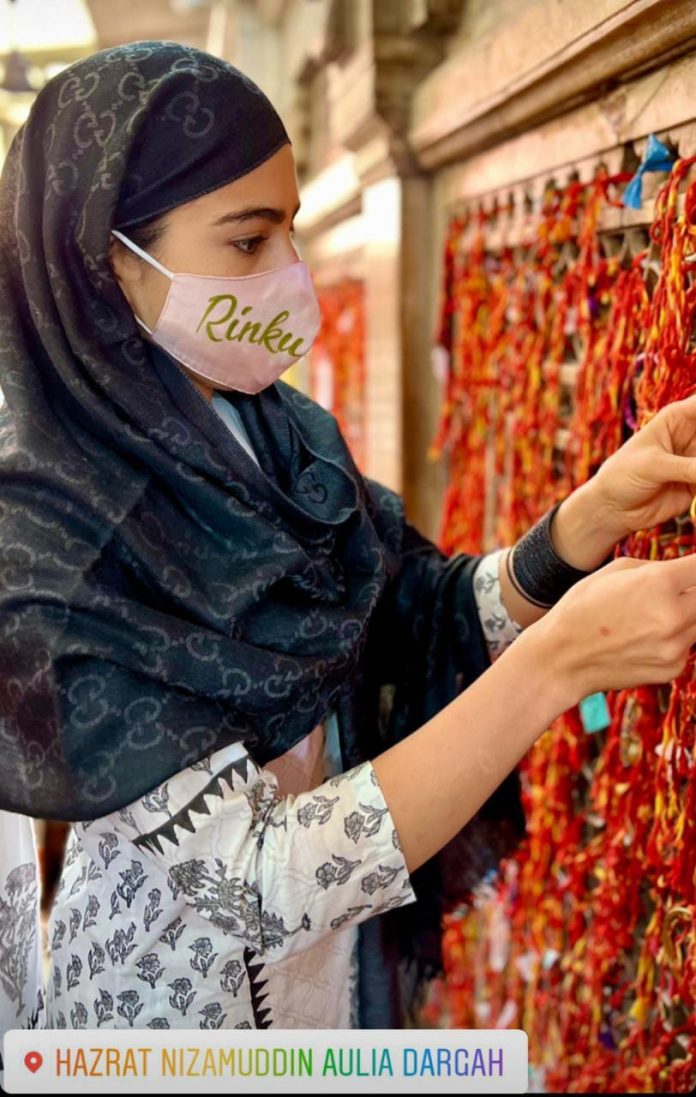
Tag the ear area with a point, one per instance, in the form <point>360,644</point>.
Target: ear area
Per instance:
<point>126,265</point>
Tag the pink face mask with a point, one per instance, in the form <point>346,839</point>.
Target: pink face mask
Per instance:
<point>240,333</point>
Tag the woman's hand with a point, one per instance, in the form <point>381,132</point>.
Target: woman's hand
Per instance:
<point>653,476</point>
<point>650,479</point>
<point>631,623</point>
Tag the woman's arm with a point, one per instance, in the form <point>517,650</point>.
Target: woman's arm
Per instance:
<point>436,779</point>
<point>631,623</point>
<point>281,871</point>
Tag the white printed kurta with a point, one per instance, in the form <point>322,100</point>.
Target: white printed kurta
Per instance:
<point>230,895</point>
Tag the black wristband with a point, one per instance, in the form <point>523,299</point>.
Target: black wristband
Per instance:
<point>536,570</point>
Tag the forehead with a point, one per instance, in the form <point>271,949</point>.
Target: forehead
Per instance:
<point>273,183</point>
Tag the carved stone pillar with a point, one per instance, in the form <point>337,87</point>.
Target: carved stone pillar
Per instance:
<point>371,110</point>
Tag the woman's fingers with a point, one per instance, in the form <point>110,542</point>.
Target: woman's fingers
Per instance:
<point>673,467</point>
<point>681,572</point>
<point>682,409</point>
<point>680,417</point>
<point>624,563</point>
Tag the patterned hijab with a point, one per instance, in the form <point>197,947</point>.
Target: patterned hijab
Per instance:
<point>161,596</point>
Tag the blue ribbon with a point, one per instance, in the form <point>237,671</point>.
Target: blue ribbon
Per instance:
<point>657,157</point>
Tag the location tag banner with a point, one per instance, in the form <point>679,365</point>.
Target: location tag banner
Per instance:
<point>282,1061</point>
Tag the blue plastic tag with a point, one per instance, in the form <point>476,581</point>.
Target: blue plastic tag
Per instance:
<point>594,713</point>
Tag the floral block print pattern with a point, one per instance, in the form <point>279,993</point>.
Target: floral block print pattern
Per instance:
<point>214,901</point>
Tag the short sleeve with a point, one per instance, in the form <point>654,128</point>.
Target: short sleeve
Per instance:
<point>279,873</point>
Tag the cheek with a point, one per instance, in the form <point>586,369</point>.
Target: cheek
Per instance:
<point>151,297</point>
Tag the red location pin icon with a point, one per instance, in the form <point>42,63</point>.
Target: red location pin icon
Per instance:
<point>33,1060</point>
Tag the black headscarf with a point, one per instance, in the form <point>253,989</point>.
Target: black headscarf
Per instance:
<point>161,596</point>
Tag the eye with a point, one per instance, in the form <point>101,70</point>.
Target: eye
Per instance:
<point>252,244</point>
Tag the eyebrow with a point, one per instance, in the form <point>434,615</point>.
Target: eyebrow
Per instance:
<point>269,213</point>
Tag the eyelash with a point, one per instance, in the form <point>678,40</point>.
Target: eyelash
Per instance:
<point>256,241</point>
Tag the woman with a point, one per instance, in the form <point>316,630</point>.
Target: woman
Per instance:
<point>265,700</point>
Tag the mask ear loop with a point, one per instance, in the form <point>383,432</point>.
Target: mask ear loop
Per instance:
<point>148,259</point>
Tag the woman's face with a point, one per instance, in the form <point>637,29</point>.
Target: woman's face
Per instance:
<point>245,227</point>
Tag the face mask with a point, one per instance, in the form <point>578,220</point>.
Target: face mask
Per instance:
<point>239,333</point>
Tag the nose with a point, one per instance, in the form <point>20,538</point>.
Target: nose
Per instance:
<point>286,251</point>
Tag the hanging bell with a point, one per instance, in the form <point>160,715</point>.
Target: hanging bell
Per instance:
<point>16,78</point>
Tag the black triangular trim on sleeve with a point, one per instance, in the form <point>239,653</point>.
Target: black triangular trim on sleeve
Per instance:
<point>198,805</point>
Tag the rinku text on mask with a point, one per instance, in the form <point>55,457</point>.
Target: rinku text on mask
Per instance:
<point>252,332</point>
